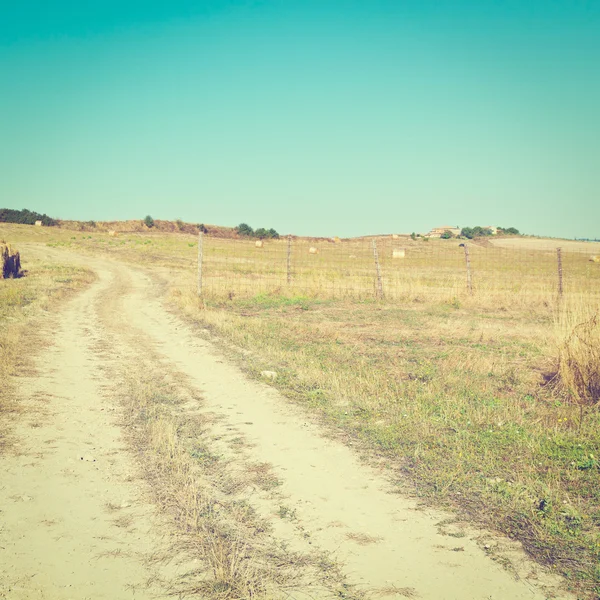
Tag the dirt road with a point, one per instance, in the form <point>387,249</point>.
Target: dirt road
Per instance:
<point>77,520</point>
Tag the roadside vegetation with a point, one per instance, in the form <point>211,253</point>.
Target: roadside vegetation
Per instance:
<point>22,301</point>
<point>194,487</point>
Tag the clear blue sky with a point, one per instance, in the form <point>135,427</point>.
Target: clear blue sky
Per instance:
<point>314,117</point>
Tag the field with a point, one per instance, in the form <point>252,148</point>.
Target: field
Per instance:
<point>455,389</point>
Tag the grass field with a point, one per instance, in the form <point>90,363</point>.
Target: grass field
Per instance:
<point>458,392</point>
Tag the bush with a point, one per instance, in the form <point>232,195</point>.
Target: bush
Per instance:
<point>447,235</point>
<point>202,228</point>
<point>509,230</point>
<point>149,221</point>
<point>579,353</point>
<point>473,232</point>
<point>179,224</point>
<point>244,229</point>
<point>261,232</point>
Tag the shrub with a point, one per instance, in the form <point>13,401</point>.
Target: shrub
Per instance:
<point>509,230</point>
<point>578,333</point>
<point>261,233</point>
<point>244,229</point>
<point>179,224</point>
<point>149,221</point>
<point>473,232</point>
<point>202,228</point>
<point>447,235</point>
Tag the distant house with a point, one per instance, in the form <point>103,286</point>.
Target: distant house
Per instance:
<point>494,230</point>
<point>437,232</point>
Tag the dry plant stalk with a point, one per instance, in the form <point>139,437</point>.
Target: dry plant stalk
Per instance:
<point>10,261</point>
<point>578,328</point>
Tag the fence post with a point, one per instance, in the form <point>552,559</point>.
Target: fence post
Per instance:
<point>468,262</point>
<point>379,288</point>
<point>200,256</point>
<point>560,271</point>
<point>289,259</point>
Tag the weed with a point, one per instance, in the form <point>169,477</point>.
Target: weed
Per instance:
<point>578,333</point>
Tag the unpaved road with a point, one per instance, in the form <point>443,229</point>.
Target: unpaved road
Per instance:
<point>76,519</point>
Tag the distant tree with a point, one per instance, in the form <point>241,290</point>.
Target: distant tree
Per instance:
<point>512,231</point>
<point>447,235</point>
<point>473,232</point>
<point>149,221</point>
<point>179,224</point>
<point>244,229</point>
<point>202,228</point>
<point>273,234</point>
<point>479,231</point>
<point>261,233</point>
<point>413,235</point>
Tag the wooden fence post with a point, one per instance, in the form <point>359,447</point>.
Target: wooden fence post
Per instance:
<point>289,260</point>
<point>560,271</point>
<point>200,256</point>
<point>468,263</point>
<point>379,286</point>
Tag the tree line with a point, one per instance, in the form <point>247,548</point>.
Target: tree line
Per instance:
<point>245,230</point>
<point>25,217</point>
<point>478,231</point>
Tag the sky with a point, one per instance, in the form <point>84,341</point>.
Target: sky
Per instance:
<point>315,117</point>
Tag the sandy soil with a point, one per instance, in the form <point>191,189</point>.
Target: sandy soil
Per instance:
<point>76,521</point>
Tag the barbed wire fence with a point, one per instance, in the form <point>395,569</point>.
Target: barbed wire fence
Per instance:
<point>394,268</point>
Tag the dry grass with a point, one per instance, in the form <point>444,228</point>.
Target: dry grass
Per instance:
<point>520,271</point>
<point>215,523</point>
<point>22,302</point>
<point>363,539</point>
<point>578,333</point>
<point>212,525</point>
<point>394,591</point>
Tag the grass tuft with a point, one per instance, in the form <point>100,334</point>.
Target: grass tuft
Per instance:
<point>578,332</point>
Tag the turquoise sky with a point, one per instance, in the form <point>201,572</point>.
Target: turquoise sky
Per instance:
<point>314,117</point>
